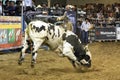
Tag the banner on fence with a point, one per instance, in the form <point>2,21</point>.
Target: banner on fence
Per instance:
<point>10,32</point>
<point>105,33</point>
<point>118,33</point>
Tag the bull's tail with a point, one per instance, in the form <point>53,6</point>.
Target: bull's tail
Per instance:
<point>27,30</point>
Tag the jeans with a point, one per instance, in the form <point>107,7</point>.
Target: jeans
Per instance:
<point>84,37</point>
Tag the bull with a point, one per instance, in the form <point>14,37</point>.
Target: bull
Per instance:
<point>39,33</point>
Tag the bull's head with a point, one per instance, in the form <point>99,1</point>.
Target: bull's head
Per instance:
<point>86,61</point>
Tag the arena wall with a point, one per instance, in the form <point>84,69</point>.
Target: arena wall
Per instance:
<point>82,2</point>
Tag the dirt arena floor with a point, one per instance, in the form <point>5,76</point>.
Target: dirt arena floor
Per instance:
<point>49,66</point>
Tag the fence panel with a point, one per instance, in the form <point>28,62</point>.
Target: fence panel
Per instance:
<point>10,32</point>
<point>105,33</point>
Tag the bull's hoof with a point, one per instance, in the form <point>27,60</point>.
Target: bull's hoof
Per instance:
<point>32,64</point>
<point>20,61</point>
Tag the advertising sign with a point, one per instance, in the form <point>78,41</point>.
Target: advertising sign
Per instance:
<point>118,33</point>
<point>10,32</point>
<point>11,35</point>
<point>105,33</point>
<point>3,36</point>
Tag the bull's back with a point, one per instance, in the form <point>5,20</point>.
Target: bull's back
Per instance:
<point>37,29</point>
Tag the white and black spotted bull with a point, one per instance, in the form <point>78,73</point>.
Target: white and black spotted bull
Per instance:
<point>54,36</point>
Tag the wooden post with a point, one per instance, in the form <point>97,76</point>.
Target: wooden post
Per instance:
<point>49,3</point>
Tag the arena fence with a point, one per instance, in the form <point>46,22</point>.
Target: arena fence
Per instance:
<point>105,30</point>
<point>104,34</point>
<point>10,32</point>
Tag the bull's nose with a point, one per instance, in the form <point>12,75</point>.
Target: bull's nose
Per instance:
<point>88,65</point>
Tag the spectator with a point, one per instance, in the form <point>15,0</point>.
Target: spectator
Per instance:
<point>18,8</point>
<point>44,9</point>
<point>117,11</point>
<point>111,19</point>
<point>85,26</point>
<point>11,8</point>
<point>0,8</point>
<point>5,9</point>
<point>28,5</point>
<point>56,10</point>
<point>100,15</point>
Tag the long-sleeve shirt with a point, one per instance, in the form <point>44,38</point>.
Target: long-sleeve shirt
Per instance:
<point>85,26</point>
<point>0,9</point>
